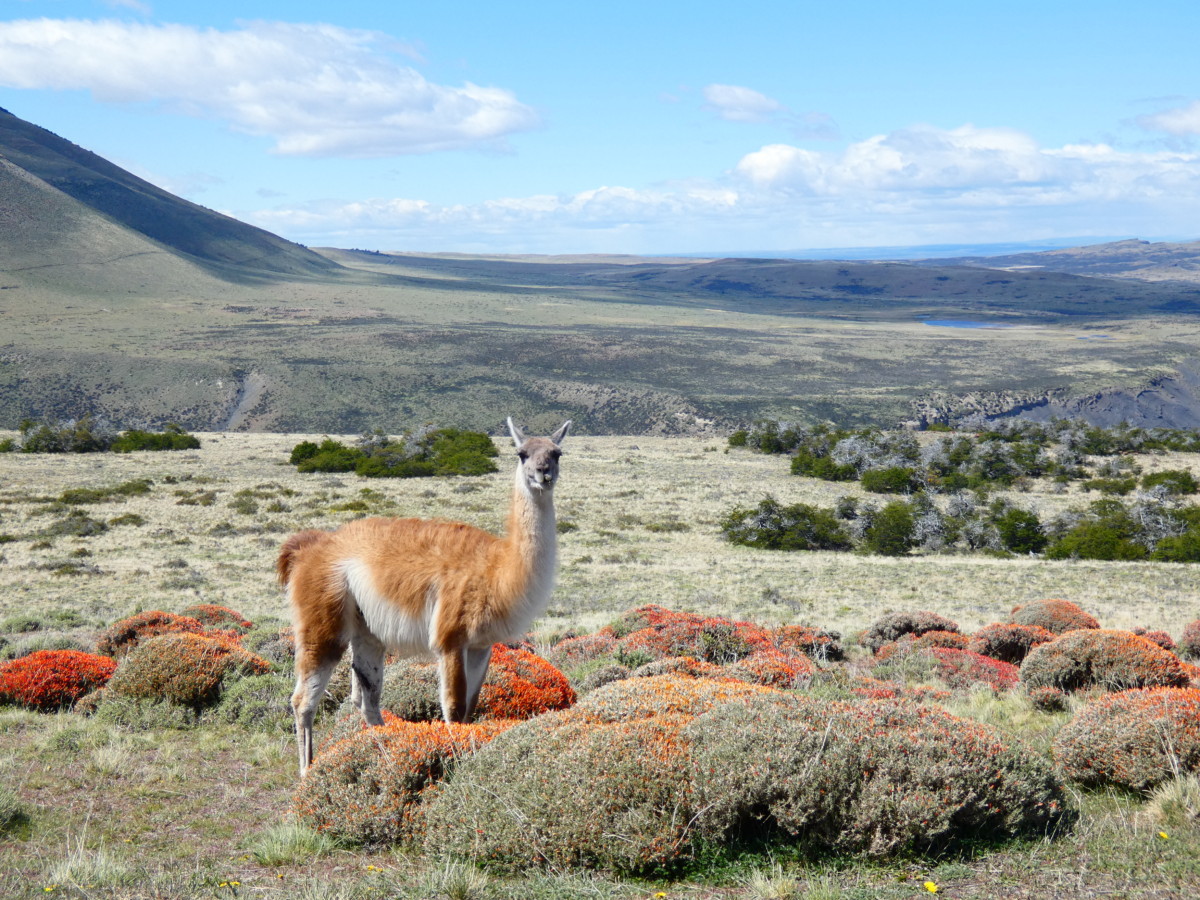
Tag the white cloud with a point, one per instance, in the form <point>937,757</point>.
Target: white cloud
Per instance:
<point>916,185</point>
<point>317,90</point>
<point>741,104</point>
<point>1180,121</point>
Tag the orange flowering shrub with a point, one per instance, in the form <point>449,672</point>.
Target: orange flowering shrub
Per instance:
<point>870,688</point>
<point>773,669</point>
<point>1161,638</point>
<point>121,637</point>
<point>894,625</point>
<point>907,643</point>
<point>520,685</point>
<point>713,639</point>
<point>1135,739</point>
<point>662,696</point>
<point>1189,641</point>
<point>371,787</point>
<point>221,618</point>
<point>1009,643</point>
<point>1059,616</point>
<point>815,643</point>
<point>1114,660</point>
<point>962,668</point>
<point>184,669</point>
<point>53,679</point>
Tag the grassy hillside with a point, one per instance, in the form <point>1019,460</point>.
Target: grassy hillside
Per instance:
<point>231,248</point>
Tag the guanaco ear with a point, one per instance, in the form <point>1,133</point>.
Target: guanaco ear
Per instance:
<point>558,436</point>
<point>518,436</point>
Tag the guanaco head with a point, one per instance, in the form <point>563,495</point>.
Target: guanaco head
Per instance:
<point>539,456</point>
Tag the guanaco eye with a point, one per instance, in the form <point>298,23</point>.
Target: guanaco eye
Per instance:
<point>522,455</point>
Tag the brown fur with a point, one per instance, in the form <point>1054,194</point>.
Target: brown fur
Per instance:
<point>420,586</point>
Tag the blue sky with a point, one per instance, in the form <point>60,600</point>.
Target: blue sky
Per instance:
<point>634,127</point>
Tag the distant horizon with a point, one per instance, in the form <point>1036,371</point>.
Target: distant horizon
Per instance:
<point>633,128</point>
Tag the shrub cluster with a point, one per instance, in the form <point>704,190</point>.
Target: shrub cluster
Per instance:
<point>419,454</point>
<point>654,780</point>
<point>893,626</point>
<point>1054,615</point>
<point>1010,643</point>
<point>963,668</point>
<point>1135,739</point>
<point>87,435</point>
<point>1113,660</point>
<point>53,679</point>
<point>1189,641</point>
<point>373,786</point>
<point>122,636</point>
<point>185,669</point>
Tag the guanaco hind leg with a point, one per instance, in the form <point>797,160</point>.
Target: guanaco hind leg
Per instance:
<point>311,679</point>
<point>366,675</point>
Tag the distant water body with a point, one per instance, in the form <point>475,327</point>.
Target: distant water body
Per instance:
<point>963,323</point>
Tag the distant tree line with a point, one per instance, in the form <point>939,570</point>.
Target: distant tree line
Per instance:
<point>88,435</point>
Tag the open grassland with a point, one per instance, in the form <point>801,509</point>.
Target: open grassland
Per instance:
<point>664,354</point>
<point>150,811</point>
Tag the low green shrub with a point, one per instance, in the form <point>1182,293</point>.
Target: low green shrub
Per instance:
<point>1173,481</point>
<point>257,701</point>
<point>1113,660</point>
<point>185,669</point>
<point>891,531</point>
<point>892,480</point>
<point>172,437</point>
<point>1136,739</point>
<point>443,451</point>
<point>773,526</point>
<point>373,786</point>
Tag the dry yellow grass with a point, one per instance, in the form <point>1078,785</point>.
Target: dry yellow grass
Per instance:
<point>624,495</point>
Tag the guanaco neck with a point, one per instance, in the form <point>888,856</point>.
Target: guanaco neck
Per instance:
<point>532,538</point>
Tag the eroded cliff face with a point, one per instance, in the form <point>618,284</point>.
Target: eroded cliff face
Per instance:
<point>1168,401</point>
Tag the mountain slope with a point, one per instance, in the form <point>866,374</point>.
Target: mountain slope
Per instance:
<point>227,247</point>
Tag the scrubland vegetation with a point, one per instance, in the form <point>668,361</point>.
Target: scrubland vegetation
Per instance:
<point>693,718</point>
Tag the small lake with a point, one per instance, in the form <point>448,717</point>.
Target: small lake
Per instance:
<point>963,323</point>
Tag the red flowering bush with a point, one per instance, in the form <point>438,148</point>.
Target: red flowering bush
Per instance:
<point>520,685</point>
<point>121,637</point>
<point>907,643</point>
<point>869,688</point>
<point>1059,616</point>
<point>1189,641</point>
<point>712,639</point>
<point>814,643</point>
<point>773,669</point>
<point>1135,739</point>
<point>962,668</point>
<point>1114,660</point>
<point>184,669</point>
<point>894,625</point>
<point>53,679</point>
<point>1009,643</point>
<point>221,618</point>
<point>1161,638</point>
<point>372,786</point>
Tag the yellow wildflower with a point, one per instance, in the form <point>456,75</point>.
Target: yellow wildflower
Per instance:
<point>931,887</point>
